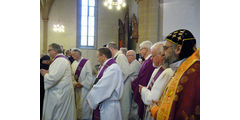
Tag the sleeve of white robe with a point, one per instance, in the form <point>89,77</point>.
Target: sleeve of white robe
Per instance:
<point>157,89</point>
<point>104,88</point>
<point>135,67</point>
<point>124,65</point>
<point>56,72</point>
<point>88,80</point>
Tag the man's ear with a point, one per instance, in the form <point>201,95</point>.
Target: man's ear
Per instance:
<point>104,56</point>
<point>178,50</point>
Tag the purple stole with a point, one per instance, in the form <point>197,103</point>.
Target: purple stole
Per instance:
<point>63,56</point>
<point>79,68</point>
<point>161,69</point>
<point>96,112</point>
<point>143,78</point>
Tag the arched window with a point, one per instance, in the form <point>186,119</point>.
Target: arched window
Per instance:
<point>86,24</point>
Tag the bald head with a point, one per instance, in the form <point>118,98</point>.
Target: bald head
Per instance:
<point>131,56</point>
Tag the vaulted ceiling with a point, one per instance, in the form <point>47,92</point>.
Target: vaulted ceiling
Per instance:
<point>45,6</point>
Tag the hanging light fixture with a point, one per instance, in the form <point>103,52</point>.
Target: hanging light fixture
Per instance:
<point>58,28</point>
<point>118,3</point>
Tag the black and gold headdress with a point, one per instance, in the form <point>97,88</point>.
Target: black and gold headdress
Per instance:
<point>179,36</point>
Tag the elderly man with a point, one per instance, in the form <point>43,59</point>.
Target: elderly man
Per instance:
<point>143,76</point>
<point>134,67</point>
<point>122,61</point>
<point>83,80</point>
<point>59,94</point>
<point>107,89</point>
<point>158,81</point>
<point>69,55</point>
<point>181,97</point>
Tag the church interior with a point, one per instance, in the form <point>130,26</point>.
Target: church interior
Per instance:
<point>91,24</point>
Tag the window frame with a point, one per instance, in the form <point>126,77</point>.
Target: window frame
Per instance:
<point>79,15</point>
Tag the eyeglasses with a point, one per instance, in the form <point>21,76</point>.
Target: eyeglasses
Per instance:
<point>157,55</point>
<point>129,55</point>
<point>141,49</point>
<point>166,47</point>
<point>50,50</point>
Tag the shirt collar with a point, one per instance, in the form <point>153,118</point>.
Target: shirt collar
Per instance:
<point>175,65</point>
<point>148,56</point>
<point>133,61</point>
<point>106,62</point>
<point>58,55</point>
<point>119,52</point>
<point>79,59</point>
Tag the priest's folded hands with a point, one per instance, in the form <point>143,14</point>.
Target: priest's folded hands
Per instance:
<point>140,88</point>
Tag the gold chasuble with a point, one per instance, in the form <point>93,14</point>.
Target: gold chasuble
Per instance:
<point>181,97</point>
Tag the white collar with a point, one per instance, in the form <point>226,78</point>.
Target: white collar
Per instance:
<point>148,56</point>
<point>133,61</point>
<point>79,59</point>
<point>58,55</point>
<point>119,52</point>
<point>106,62</point>
<point>158,67</point>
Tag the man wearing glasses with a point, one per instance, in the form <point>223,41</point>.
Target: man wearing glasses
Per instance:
<point>59,95</point>
<point>143,76</point>
<point>158,81</point>
<point>134,68</point>
<point>181,97</point>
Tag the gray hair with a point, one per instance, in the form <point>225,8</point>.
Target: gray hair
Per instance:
<point>124,50</point>
<point>146,44</point>
<point>159,47</point>
<point>77,50</point>
<point>68,51</point>
<point>133,52</point>
<point>56,47</point>
<point>112,45</point>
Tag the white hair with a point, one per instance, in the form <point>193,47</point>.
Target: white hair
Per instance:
<point>163,42</point>
<point>146,44</point>
<point>159,47</point>
<point>77,50</point>
<point>133,52</point>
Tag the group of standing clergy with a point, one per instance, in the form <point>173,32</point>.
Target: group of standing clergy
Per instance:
<point>165,86</point>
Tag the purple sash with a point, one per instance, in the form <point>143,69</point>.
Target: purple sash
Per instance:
<point>155,77</point>
<point>96,112</point>
<point>79,68</point>
<point>63,56</point>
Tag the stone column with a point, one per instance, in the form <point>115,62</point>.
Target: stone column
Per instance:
<point>45,34</point>
<point>45,6</point>
<point>149,22</point>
